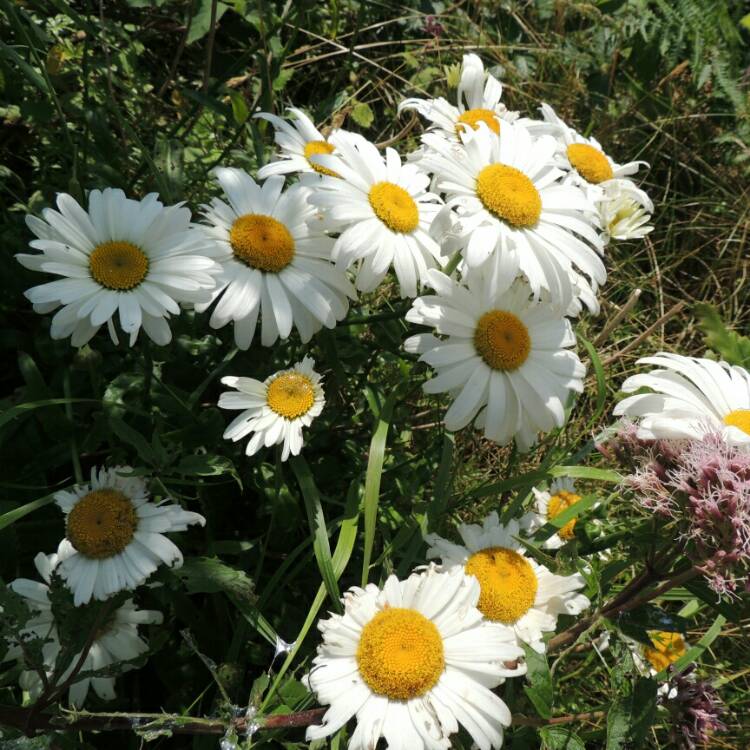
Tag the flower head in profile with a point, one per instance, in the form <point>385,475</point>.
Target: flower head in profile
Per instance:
<point>275,261</point>
<point>116,641</point>
<point>139,259</point>
<point>512,200</point>
<point>276,410</point>
<point>504,357</point>
<point>383,212</point>
<point>298,141</point>
<point>514,589</point>
<point>114,535</point>
<point>478,100</point>
<point>412,661</point>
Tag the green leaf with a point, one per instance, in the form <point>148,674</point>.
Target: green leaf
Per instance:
<point>556,523</point>
<point>317,522</point>
<point>17,513</point>
<point>729,345</point>
<point>443,483</point>
<point>201,23</point>
<point>601,381</point>
<point>540,690</point>
<point>239,107</point>
<point>372,482</point>
<point>20,409</point>
<point>630,717</point>
<point>560,738</point>
<point>734,610</point>
<point>362,114</point>
<point>133,438</point>
<point>694,654</point>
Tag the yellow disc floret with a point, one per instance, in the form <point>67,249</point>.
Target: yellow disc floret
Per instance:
<point>262,242</point>
<point>102,523</point>
<point>472,117</point>
<point>559,502</point>
<point>507,581</point>
<point>510,195</point>
<point>502,340</point>
<point>313,148</point>
<point>590,163</point>
<point>400,654</point>
<point>394,207</point>
<point>739,418</point>
<point>118,265</point>
<point>667,649</point>
<point>291,395</point>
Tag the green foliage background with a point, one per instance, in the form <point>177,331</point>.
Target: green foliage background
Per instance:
<point>150,95</point>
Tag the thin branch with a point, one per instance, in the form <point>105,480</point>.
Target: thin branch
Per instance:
<point>210,46</point>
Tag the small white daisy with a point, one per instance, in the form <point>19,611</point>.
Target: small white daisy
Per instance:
<point>665,649</point>
<point>413,661</point>
<point>515,590</point>
<point>383,211</point>
<point>275,410</point>
<point>276,261</point>
<point>624,210</point>
<point>478,100</point>
<point>512,200</point>
<point>689,397</point>
<point>114,535</point>
<point>506,359</point>
<point>298,141</point>
<point>116,641</point>
<point>560,496</point>
<point>138,258</point>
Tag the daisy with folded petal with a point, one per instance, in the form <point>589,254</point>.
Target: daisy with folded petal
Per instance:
<point>412,661</point>
<point>550,503</point>
<point>506,359</point>
<point>276,261</point>
<point>116,641</point>
<point>139,259</point>
<point>478,101</point>
<point>688,398</point>
<point>298,141</point>
<point>624,211</point>
<point>114,535</point>
<point>515,590</point>
<point>383,211</point>
<point>512,200</point>
<point>276,410</point>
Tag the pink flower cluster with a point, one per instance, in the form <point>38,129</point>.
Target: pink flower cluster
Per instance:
<point>704,487</point>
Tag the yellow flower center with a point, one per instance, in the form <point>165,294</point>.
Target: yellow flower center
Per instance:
<point>502,340</point>
<point>394,207</point>
<point>506,192</point>
<point>102,524</point>
<point>262,242</point>
<point>400,654</point>
<point>667,649</point>
<point>739,418</point>
<point>589,162</point>
<point>118,265</point>
<point>319,147</point>
<point>291,395</point>
<point>507,583</point>
<point>556,505</point>
<point>472,117</point>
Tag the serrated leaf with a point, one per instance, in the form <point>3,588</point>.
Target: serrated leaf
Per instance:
<point>729,345</point>
<point>560,738</point>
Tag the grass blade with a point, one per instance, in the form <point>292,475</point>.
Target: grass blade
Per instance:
<point>17,513</point>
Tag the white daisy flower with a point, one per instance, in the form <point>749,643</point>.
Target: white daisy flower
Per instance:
<point>116,641</point>
<point>515,590</point>
<point>114,535</point>
<point>624,210</point>
<point>275,260</point>
<point>560,496</point>
<point>383,211</point>
<point>411,662</point>
<point>506,359</point>
<point>478,100</point>
<point>298,141</point>
<point>689,397</point>
<point>275,410</point>
<point>665,649</point>
<point>137,258</point>
<point>512,200</point>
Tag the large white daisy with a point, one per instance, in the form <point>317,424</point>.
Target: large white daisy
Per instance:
<point>116,641</point>
<point>383,211</point>
<point>478,100</point>
<point>506,359</point>
<point>512,200</point>
<point>276,261</point>
<point>114,535</point>
<point>515,590</point>
<point>298,141</point>
<point>275,410</point>
<point>689,397</point>
<point>413,661</point>
<point>137,258</point>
